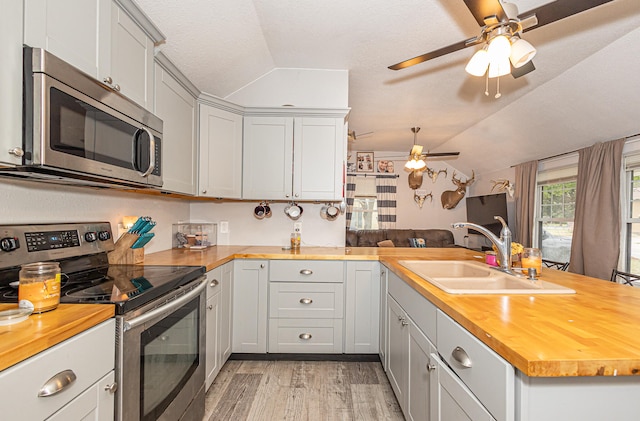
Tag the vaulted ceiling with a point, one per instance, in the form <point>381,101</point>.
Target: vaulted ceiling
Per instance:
<point>586,87</point>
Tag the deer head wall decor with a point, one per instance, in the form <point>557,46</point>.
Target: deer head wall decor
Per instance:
<point>433,174</point>
<point>415,179</point>
<point>503,184</point>
<point>419,198</point>
<point>451,198</point>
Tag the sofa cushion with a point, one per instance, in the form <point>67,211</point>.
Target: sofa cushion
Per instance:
<point>417,242</point>
<point>386,243</point>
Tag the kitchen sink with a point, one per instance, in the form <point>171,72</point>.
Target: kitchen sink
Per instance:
<point>468,277</point>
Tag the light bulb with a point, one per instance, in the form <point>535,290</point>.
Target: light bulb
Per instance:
<point>499,47</point>
<point>478,64</point>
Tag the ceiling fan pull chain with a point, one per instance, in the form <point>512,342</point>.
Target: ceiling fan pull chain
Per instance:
<point>486,85</point>
<point>498,94</point>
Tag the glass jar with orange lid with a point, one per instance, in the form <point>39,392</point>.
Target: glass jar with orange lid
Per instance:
<point>39,286</point>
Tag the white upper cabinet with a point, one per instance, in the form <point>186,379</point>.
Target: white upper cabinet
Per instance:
<point>99,38</point>
<point>176,106</point>
<point>293,157</point>
<point>11,83</point>
<point>220,169</point>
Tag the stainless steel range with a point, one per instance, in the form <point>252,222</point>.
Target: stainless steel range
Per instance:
<point>160,313</point>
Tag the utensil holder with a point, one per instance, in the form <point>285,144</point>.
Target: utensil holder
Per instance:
<point>123,254</point>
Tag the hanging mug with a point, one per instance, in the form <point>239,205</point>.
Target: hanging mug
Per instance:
<point>259,211</point>
<point>332,213</point>
<point>267,209</point>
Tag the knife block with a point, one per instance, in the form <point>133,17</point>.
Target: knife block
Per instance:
<point>123,254</point>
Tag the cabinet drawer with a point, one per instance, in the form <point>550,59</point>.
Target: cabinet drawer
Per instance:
<point>90,355</point>
<point>422,311</point>
<point>488,376</point>
<point>306,271</point>
<point>306,300</point>
<point>314,336</point>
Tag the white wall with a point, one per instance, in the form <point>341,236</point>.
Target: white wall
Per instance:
<point>245,229</point>
<point>296,87</point>
<point>31,202</point>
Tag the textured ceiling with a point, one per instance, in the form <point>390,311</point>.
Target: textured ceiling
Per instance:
<point>586,87</point>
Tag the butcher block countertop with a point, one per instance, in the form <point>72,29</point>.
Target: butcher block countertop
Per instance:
<point>24,339</point>
<point>595,332</point>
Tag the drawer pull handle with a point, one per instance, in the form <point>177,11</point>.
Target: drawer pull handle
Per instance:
<point>214,283</point>
<point>460,355</point>
<point>111,388</point>
<point>304,336</point>
<point>57,383</point>
<point>306,272</point>
<point>306,300</point>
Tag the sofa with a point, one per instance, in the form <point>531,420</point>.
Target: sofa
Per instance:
<point>399,237</point>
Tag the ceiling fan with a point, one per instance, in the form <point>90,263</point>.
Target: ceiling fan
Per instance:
<point>501,21</point>
<point>416,157</point>
<point>351,135</point>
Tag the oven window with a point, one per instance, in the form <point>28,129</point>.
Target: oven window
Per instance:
<point>77,128</point>
<point>169,356</point>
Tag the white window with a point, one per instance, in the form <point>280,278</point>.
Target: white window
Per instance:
<point>556,207</point>
<point>632,214</point>
<point>365,205</point>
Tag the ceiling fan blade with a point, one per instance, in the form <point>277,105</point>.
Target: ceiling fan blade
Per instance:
<point>481,9</point>
<point>560,9</point>
<point>436,53</point>
<point>434,154</point>
<point>516,72</point>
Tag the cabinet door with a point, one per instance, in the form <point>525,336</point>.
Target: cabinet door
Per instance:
<point>451,399</point>
<point>131,58</point>
<point>226,319</point>
<point>382,352</point>
<point>76,31</point>
<point>319,155</point>
<point>212,360</point>
<point>398,352</point>
<point>419,373</point>
<point>362,307</point>
<point>11,82</point>
<point>220,172</point>
<point>250,306</point>
<point>96,403</point>
<point>176,107</point>
<point>267,168</point>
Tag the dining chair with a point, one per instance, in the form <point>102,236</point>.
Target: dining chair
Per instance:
<point>625,278</point>
<point>555,265</point>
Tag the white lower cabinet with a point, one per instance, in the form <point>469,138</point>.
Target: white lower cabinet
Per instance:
<point>250,284</point>
<point>89,356</point>
<point>382,335</point>
<point>362,315</point>
<point>218,319</point>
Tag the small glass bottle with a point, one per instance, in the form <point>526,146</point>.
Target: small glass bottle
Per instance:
<point>295,241</point>
<point>39,286</point>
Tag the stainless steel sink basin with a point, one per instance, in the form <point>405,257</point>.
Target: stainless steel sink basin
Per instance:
<point>468,277</point>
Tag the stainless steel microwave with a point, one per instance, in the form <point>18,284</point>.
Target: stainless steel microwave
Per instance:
<point>76,128</point>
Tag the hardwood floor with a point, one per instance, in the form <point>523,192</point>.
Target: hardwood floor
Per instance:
<point>301,391</point>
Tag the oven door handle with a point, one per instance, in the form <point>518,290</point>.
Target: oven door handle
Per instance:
<point>167,308</point>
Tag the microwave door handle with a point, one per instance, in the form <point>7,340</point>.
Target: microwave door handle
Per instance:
<point>152,152</point>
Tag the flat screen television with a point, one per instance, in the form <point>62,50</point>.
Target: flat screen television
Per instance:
<point>482,209</point>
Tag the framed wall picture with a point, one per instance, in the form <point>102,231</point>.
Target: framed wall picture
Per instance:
<point>364,162</point>
<point>385,166</point>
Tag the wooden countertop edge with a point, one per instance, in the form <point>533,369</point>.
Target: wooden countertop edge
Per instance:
<point>22,345</point>
<point>528,364</point>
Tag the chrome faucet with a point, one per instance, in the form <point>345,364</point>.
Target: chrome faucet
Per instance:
<point>503,244</point>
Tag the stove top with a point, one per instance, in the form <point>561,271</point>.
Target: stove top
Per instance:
<point>86,278</point>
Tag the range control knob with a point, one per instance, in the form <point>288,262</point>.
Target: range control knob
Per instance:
<point>9,244</point>
<point>90,236</point>
<point>104,235</point>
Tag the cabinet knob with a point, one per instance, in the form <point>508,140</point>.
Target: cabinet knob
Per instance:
<point>404,322</point>
<point>111,388</point>
<point>297,195</point>
<point>287,195</point>
<point>400,318</point>
<point>204,191</point>
<point>17,151</point>
<point>214,283</point>
<point>210,306</point>
<point>306,300</point>
<point>461,357</point>
<point>108,80</point>
<point>57,383</point>
<point>304,336</point>
<point>306,272</point>
<point>262,266</point>
<point>116,87</point>
<point>431,367</point>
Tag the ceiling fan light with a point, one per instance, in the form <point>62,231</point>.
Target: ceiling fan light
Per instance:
<point>499,67</point>
<point>415,164</point>
<point>478,64</point>
<point>499,47</point>
<point>521,53</point>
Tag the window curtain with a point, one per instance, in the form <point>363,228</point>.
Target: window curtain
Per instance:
<point>596,230</point>
<point>351,194</point>
<point>386,187</point>
<point>525,198</point>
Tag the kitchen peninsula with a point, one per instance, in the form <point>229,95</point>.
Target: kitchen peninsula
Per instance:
<point>570,352</point>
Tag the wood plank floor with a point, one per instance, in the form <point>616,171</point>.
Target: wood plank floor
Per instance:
<point>301,391</point>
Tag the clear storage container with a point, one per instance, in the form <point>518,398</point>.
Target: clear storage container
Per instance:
<point>195,236</point>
